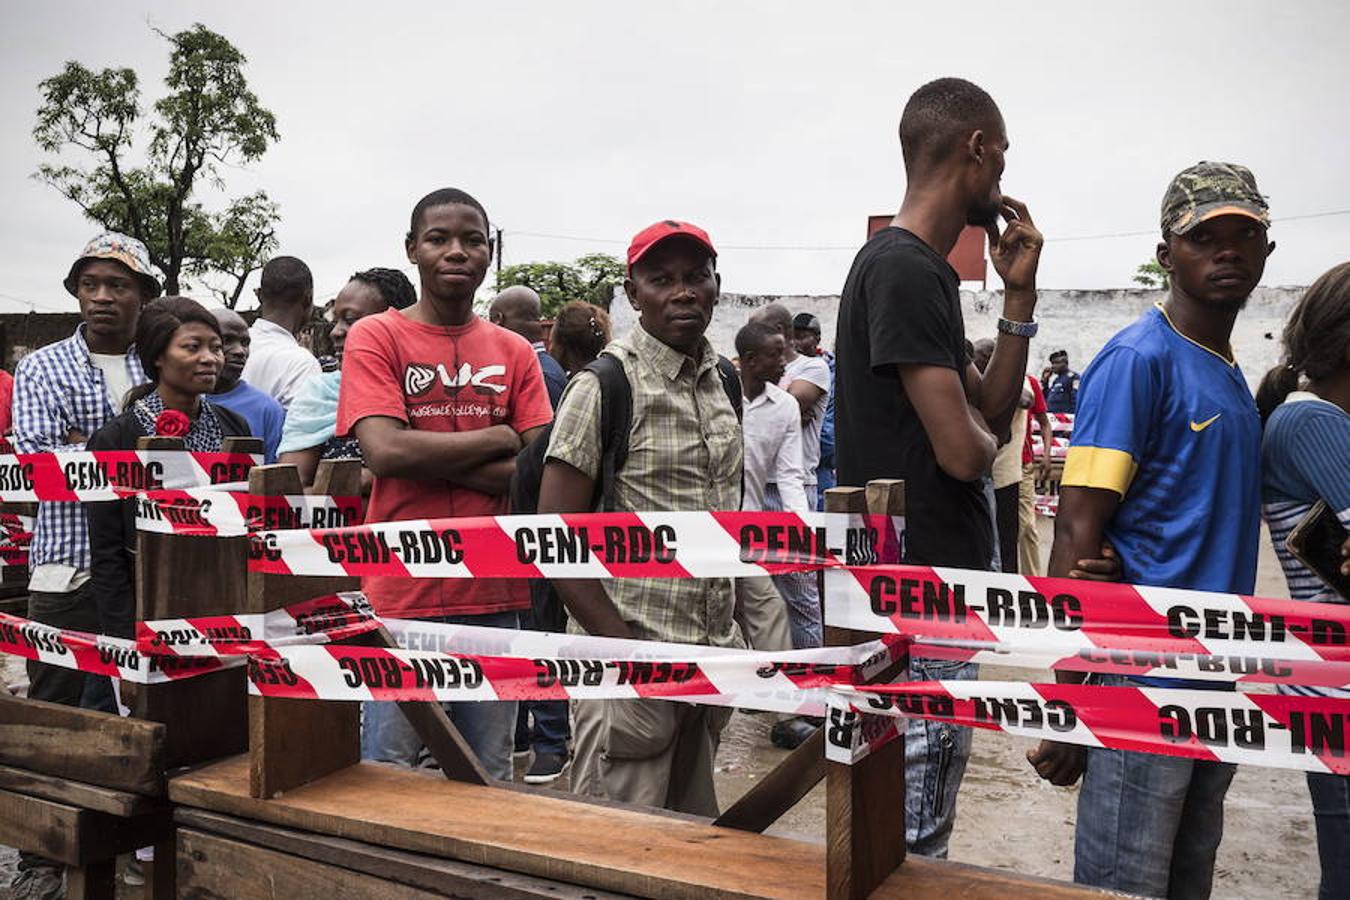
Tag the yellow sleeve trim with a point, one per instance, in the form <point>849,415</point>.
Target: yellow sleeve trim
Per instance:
<point>1099,467</point>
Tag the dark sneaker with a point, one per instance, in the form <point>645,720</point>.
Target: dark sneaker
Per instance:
<point>792,733</point>
<point>546,768</point>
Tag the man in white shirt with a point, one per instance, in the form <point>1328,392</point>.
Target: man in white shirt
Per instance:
<point>807,380</point>
<point>773,470</point>
<point>277,364</point>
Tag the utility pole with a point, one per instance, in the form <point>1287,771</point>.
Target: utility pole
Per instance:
<point>499,253</point>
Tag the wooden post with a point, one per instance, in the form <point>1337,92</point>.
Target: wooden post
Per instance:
<point>864,802</point>
<point>292,742</point>
<point>179,576</point>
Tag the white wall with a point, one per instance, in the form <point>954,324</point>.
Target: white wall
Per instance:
<point>1079,322</point>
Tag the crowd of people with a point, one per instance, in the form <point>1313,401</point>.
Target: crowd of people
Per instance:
<point>454,414</point>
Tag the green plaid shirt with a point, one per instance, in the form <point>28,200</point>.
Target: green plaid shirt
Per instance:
<point>684,454</point>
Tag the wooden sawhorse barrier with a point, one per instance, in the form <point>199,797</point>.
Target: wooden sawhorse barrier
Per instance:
<point>300,816</point>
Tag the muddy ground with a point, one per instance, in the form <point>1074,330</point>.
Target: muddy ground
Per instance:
<point>1008,818</point>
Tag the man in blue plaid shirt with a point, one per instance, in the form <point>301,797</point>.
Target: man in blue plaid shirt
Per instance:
<point>63,393</point>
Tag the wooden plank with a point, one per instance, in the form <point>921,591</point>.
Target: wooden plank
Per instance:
<point>425,872</point>
<point>555,837</point>
<point>864,802</point>
<point>76,793</point>
<point>292,742</point>
<point>74,836</point>
<point>97,748</point>
<point>179,576</point>
<point>621,850</point>
<point>780,790</point>
<point>213,867</point>
<point>924,877</point>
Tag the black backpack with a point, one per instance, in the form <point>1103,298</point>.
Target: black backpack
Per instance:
<point>616,422</point>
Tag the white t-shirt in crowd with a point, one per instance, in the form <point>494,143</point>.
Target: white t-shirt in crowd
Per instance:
<point>814,370</point>
<point>116,378</point>
<point>277,364</point>
<point>771,425</point>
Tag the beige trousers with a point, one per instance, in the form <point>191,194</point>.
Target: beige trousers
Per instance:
<point>762,614</point>
<point>647,752</point>
<point>1028,538</point>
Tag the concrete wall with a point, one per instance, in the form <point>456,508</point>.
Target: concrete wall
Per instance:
<point>1079,322</point>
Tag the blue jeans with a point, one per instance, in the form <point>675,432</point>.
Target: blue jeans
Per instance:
<point>488,727</point>
<point>800,590</point>
<point>1331,809</point>
<point>936,754</point>
<point>1149,824</point>
<point>542,724</point>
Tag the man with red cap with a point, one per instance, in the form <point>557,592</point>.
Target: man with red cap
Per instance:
<point>684,453</point>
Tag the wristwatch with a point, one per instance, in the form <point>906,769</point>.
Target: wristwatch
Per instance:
<point>1018,329</point>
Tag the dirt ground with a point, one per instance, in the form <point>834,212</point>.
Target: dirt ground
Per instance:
<point>1009,818</point>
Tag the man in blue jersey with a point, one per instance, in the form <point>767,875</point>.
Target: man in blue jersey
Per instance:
<point>1165,465</point>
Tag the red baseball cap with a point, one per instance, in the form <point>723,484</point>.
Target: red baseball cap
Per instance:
<point>652,235</point>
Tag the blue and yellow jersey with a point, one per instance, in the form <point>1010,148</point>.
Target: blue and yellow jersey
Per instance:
<point>1171,427</point>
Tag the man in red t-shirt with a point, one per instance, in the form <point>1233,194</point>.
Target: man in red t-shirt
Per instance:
<point>441,401</point>
<point>1028,540</point>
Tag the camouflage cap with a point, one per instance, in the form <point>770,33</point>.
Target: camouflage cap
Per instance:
<point>119,248</point>
<point>1209,189</point>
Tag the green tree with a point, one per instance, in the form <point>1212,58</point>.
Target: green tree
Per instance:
<point>591,278</point>
<point>209,118</point>
<point>1151,275</point>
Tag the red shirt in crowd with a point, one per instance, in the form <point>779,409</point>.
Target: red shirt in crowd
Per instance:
<point>447,379</point>
<point>1037,407</point>
<point>6,402</point>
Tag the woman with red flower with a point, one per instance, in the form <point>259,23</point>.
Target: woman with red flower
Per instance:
<point>179,344</point>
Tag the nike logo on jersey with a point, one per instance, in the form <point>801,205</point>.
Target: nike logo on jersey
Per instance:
<point>1198,427</point>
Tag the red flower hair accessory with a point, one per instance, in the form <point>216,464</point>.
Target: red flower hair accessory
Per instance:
<point>172,423</point>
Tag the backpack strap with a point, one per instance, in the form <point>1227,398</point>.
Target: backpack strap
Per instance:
<point>731,383</point>
<point>616,420</point>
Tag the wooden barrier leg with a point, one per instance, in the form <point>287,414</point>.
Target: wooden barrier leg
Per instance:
<point>92,881</point>
<point>161,872</point>
<point>178,576</point>
<point>292,742</point>
<point>864,802</point>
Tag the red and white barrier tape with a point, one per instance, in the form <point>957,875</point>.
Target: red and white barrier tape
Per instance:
<point>1066,617</point>
<point>16,534</point>
<point>1059,447</point>
<point>319,620</point>
<point>211,512</point>
<point>584,545</point>
<point>98,654</point>
<point>113,474</point>
<point>1047,505</point>
<point>1287,732</point>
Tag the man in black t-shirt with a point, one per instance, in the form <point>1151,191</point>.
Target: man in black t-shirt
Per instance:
<point>909,403</point>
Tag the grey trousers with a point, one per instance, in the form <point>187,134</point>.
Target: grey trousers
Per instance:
<point>647,752</point>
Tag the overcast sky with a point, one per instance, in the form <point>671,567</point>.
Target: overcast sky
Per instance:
<point>770,124</point>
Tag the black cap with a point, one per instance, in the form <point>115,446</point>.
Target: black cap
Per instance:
<point>805,322</point>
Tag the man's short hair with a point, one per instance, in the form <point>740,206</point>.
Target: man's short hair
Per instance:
<point>940,115</point>
<point>776,316</point>
<point>1059,354</point>
<point>752,336</point>
<point>285,278</point>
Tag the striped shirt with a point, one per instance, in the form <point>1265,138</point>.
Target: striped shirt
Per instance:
<point>57,390</point>
<point>684,453</point>
<point>1305,457</point>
